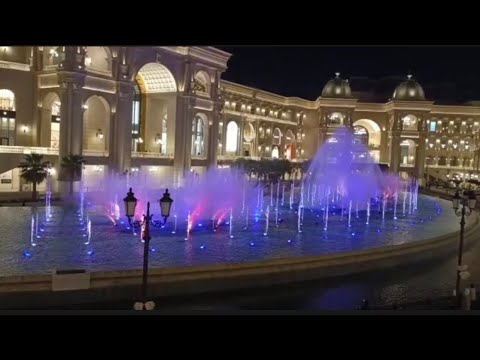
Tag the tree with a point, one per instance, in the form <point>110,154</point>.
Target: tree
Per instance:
<point>72,167</point>
<point>34,171</point>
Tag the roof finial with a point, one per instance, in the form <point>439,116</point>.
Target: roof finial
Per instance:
<point>337,74</point>
<point>409,76</point>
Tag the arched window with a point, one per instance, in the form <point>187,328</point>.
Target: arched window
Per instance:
<point>201,83</point>
<point>277,137</point>
<point>248,132</point>
<point>57,55</point>
<point>336,119</point>
<point>407,152</point>
<point>164,134</point>
<point>136,117</point>
<point>7,100</point>
<point>410,122</point>
<point>232,137</point>
<point>197,136</point>
<point>7,116</point>
<point>97,59</point>
<point>360,135</point>
<point>261,131</point>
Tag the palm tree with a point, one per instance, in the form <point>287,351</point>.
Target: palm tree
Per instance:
<point>34,171</point>
<point>72,166</point>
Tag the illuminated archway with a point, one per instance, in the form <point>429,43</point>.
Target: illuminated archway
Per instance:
<point>50,122</point>
<point>407,152</point>
<point>232,137</point>
<point>96,124</point>
<point>373,131</point>
<point>410,122</point>
<point>98,59</point>
<point>198,135</point>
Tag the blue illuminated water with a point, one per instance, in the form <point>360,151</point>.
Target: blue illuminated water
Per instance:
<point>60,242</point>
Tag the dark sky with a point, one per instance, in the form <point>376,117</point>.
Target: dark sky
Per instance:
<point>303,71</point>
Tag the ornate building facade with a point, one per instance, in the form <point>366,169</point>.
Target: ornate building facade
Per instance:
<point>160,112</point>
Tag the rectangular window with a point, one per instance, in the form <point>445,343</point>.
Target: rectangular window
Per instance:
<point>433,126</point>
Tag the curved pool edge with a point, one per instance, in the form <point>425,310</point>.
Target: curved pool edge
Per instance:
<point>193,280</point>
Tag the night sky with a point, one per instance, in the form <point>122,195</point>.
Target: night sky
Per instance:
<point>447,74</point>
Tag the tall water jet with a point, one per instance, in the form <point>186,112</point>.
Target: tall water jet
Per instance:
<point>384,204</point>
<point>410,199</point>
<point>116,208</point>
<point>89,231</point>
<point>258,195</point>
<point>415,200</point>
<point>174,224</point>
<point>404,200</point>
<point>267,220</point>
<point>189,225</point>
<point>261,198</point>
<point>395,198</point>
<point>326,210</point>
<point>243,196</point>
<point>231,224</point>
<point>246,219</point>
<point>283,194</point>
<point>299,218</point>
<point>34,227</point>
<point>356,209</point>
<point>292,190</point>
<point>349,213</point>
<point>276,204</point>
<point>368,211</point>
<point>271,194</point>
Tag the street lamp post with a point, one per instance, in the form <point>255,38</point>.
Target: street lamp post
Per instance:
<point>130,204</point>
<point>463,206</point>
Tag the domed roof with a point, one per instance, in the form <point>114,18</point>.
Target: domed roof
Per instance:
<point>409,90</point>
<point>337,88</point>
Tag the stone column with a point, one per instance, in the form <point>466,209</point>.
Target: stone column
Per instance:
<point>395,152</point>
<point>120,152</point>
<point>420,160</point>
<point>183,138</point>
<point>71,113</point>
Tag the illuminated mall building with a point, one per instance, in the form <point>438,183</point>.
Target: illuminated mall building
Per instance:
<point>161,112</point>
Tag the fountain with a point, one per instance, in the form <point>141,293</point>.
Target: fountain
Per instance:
<point>339,183</point>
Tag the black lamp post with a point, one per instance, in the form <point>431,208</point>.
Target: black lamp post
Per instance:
<point>463,206</point>
<point>165,206</point>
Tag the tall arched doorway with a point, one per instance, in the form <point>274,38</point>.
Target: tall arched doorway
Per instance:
<point>96,124</point>
<point>7,116</point>
<point>153,111</point>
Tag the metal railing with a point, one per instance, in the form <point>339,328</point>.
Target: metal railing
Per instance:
<point>151,155</point>
<point>5,149</point>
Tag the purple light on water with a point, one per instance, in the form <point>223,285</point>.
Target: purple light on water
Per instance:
<point>252,243</point>
<point>128,228</point>
<point>227,223</point>
<point>42,230</point>
<point>152,249</point>
<point>90,252</point>
<point>396,227</point>
<point>289,241</point>
<point>202,247</point>
<point>378,230</point>
<point>353,234</point>
<point>38,236</point>
<point>200,224</point>
<point>122,222</point>
<point>26,254</point>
